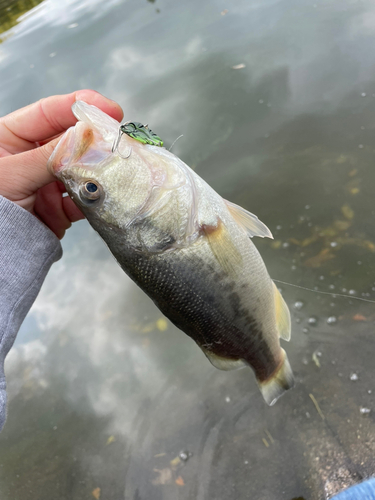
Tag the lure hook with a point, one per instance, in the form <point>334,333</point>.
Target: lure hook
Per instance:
<point>125,157</point>
<point>117,142</point>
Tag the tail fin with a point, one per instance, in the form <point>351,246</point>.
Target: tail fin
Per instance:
<point>281,381</point>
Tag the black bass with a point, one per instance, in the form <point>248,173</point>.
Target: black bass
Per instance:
<point>183,244</point>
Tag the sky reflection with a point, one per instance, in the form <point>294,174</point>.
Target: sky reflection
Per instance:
<point>103,394</point>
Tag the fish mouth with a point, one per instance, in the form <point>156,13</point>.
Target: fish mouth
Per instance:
<point>62,152</point>
<point>80,145</point>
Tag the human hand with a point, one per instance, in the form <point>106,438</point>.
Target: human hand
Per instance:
<point>27,138</point>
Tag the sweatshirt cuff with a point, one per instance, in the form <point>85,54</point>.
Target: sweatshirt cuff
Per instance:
<point>25,244</point>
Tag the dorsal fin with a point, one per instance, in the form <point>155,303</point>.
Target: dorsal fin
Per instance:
<point>250,222</point>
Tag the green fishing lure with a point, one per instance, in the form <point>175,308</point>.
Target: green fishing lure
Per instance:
<point>141,133</point>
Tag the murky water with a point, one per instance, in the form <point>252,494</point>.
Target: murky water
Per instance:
<point>105,393</point>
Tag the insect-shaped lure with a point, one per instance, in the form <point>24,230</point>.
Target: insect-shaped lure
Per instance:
<point>139,132</point>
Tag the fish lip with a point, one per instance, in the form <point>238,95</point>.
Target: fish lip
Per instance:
<point>59,159</point>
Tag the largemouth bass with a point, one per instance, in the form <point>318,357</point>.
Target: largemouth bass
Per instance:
<point>183,244</point>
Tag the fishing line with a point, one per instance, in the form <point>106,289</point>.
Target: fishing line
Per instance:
<point>326,293</point>
<point>174,142</point>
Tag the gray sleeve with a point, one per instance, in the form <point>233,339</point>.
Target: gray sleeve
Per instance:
<point>27,251</point>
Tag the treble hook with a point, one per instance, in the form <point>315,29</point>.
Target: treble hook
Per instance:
<point>125,157</point>
<point>116,144</point>
<point>116,141</point>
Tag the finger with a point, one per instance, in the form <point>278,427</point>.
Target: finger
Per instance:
<point>4,153</point>
<point>49,208</point>
<point>61,186</point>
<point>71,210</point>
<point>48,117</point>
<point>23,174</point>
<point>42,143</point>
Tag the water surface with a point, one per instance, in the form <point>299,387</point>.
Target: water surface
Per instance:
<point>104,392</point>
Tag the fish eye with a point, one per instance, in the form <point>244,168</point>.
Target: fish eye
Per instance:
<point>91,187</point>
<point>90,190</point>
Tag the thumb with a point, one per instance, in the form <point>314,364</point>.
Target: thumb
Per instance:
<point>21,175</point>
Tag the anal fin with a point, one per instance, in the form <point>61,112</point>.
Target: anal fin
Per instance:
<point>223,363</point>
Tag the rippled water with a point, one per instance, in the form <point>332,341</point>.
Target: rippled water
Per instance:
<point>105,394</point>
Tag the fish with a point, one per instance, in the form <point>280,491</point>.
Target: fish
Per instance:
<point>186,247</point>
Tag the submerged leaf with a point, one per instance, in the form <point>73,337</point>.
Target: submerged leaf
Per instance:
<point>359,317</point>
<point>96,493</point>
<point>110,440</point>
<point>162,324</point>
<point>165,476</point>
<point>319,259</point>
<point>347,212</point>
<point>179,481</point>
<point>175,463</point>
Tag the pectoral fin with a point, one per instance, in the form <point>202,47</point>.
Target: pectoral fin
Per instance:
<point>248,221</point>
<point>223,363</point>
<point>282,315</point>
<point>222,247</point>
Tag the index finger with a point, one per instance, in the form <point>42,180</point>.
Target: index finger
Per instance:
<point>48,117</point>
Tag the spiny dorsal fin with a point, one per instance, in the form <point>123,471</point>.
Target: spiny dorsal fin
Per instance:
<point>250,222</point>
<point>282,315</point>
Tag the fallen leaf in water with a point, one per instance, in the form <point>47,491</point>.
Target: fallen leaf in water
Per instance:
<point>319,259</point>
<point>335,272</point>
<point>175,463</point>
<point>308,241</point>
<point>147,328</point>
<point>341,159</point>
<point>354,183</point>
<point>96,493</point>
<point>359,317</point>
<point>223,12</point>
<point>110,440</point>
<point>162,324</point>
<point>316,359</point>
<point>347,212</point>
<point>165,476</point>
<point>179,481</point>
<point>353,172</point>
<point>354,190</point>
<point>239,66</point>
<point>276,244</point>
<point>369,245</point>
<point>342,225</point>
<point>294,241</point>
